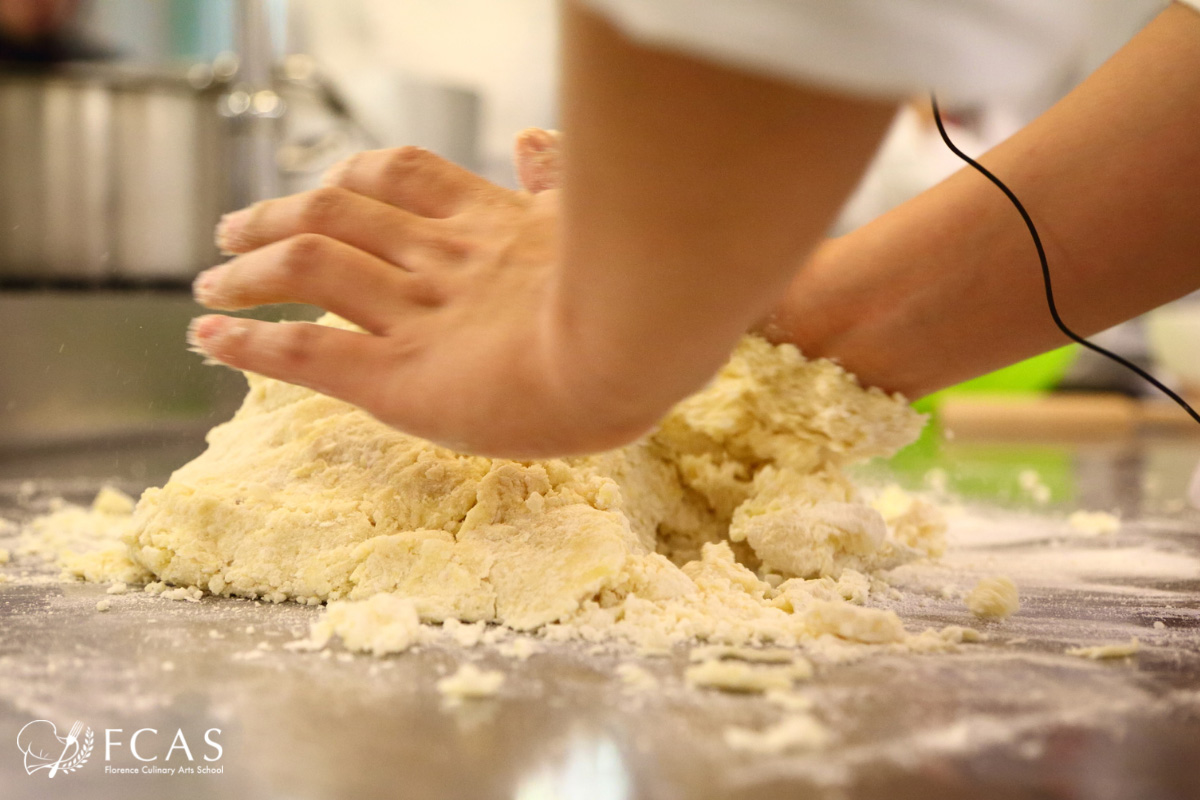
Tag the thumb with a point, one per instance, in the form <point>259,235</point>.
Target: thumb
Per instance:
<point>537,155</point>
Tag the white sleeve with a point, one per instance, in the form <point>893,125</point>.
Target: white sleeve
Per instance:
<point>967,50</point>
<point>1193,3</point>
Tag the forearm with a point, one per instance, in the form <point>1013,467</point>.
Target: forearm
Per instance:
<point>689,191</point>
<point>947,286</point>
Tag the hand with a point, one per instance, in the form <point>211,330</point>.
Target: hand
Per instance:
<point>450,277</point>
<point>33,19</point>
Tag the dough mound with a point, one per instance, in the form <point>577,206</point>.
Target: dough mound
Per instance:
<point>706,528</point>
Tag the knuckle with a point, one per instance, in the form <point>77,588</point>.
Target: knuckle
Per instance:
<point>321,205</point>
<point>452,250</point>
<point>425,292</point>
<point>297,345</point>
<point>403,162</point>
<point>302,255</point>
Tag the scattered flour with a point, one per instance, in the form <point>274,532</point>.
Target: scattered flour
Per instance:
<point>1104,651</point>
<point>994,598</point>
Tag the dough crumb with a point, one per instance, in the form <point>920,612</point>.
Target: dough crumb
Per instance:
<point>636,677</point>
<point>520,648</point>
<point>104,605</point>
<point>788,699</point>
<point>118,587</point>
<point>1030,480</point>
<point>190,594</point>
<point>994,598</point>
<point>1104,651</point>
<point>470,682</point>
<point>5,556</point>
<point>113,501</point>
<point>797,732</point>
<point>769,655</point>
<point>1094,523</point>
<point>465,635</point>
<point>383,624</point>
<point>738,676</point>
<point>1159,624</point>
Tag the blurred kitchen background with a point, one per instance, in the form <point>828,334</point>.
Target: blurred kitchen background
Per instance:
<point>127,127</point>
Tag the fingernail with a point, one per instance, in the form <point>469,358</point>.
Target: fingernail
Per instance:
<point>231,230</point>
<point>204,288</point>
<point>211,335</point>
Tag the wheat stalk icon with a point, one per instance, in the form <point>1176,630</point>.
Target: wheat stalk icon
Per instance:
<point>72,738</point>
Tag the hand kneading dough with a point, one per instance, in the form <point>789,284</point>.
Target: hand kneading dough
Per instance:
<point>304,497</point>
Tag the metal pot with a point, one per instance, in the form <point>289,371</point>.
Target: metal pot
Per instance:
<point>107,173</point>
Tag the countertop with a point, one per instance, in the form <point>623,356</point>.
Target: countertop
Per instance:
<point>1012,717</point>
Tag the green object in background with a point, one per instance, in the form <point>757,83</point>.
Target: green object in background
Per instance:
<point>1038,374</point>
<point>990,472</point>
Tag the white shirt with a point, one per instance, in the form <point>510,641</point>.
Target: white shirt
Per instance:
<point>966,50</point>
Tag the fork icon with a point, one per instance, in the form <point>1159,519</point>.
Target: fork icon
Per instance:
<point>72,738</point>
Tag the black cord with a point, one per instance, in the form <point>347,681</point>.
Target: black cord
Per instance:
<point>1037,241</point>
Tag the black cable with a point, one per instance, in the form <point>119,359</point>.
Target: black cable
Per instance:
<point>1037,241</point>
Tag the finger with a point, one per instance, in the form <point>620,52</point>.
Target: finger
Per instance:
<point>411,178</point>
<point>538,157</point>
<point>340,363</point>
<point>384,230</point>
<point>314,269</point>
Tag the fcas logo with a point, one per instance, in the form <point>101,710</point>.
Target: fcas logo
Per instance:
<point>46,750</point>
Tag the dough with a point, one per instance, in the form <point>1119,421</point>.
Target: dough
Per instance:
<point>994,598</point>
<point>797,732</point>
<point>470,682</point>
<point>733,522</point>
<point>739,676</point>
<point>1094,523</point>
<point>1103,651</point>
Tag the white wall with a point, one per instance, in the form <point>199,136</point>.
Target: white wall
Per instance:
<point>503,49</point>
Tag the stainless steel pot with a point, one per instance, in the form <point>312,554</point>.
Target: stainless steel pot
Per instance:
<point>110,173</point>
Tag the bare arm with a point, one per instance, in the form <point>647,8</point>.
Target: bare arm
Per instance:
<point>689,189</point>
<point>947,286</point>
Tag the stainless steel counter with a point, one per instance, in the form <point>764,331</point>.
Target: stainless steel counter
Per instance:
<point>1010,718</point>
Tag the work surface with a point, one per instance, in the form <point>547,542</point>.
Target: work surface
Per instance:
<point>1012,717</point>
